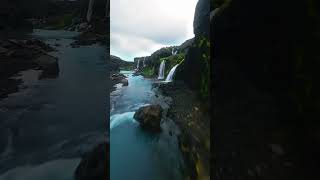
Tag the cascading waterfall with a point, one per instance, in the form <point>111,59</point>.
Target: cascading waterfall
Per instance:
<point>144,64</point>
<point>174,52</point>
<point>161,70</point>
<point>138,63</point>
<point>89,12</point>
<point>171,73</point>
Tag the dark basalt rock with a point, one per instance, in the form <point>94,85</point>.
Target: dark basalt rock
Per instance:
<point>257,94</point>
<point>125,82</point>
<point>49,65</point>
<point>149,117</point>
<point>95,164</point>
<point>201,24</point>
<point>20,55</point>
<point>117,77</point>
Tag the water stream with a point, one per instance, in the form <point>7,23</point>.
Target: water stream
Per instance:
<point>162,70</point>
<point>50,123</point>
<point>134,153</point>
<point>171,73</point>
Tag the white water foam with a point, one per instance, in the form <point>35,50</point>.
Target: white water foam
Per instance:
<point>118,119</point>
<point>171,73</point>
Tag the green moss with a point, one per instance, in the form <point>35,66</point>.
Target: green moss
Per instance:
<point>148,71</point>
<point>204,46</point>
<point>172,61</point>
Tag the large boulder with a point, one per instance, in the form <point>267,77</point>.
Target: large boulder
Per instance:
<point>201,22</point>
<point>149,117</point>
<point>94,164</point>
<point>49,65</point>
<point>125,82</point>
<point>117,77</point>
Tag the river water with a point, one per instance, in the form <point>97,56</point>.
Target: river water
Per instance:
<point>134,153</point>
<point>50,123</point>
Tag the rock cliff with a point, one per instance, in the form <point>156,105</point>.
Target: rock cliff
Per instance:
<point>265,83</point>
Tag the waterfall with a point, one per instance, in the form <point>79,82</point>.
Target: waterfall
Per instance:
<point>161,70</point>
<point>138,63</point>
<point>89,12</point>
<point>171,73</point>
<point>144,64</point>
<point>174,52</point>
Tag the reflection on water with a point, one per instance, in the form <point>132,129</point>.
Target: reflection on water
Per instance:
<point>58,118</point>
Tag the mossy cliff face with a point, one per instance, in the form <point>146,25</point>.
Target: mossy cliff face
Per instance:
<point>195,70</point>
<point>152,62</point>
<point>266,80</point>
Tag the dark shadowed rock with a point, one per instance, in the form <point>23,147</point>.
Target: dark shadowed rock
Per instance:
<point>117,77</point>
<point>125,82</point>
<point>149,117</point>
<point>95,164</point>
<point>38,43</point>
<point>49,65</point>
<point>201,21</point>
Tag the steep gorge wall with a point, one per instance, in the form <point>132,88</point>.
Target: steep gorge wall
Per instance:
<point>265,90</point>
<point>195,70</point>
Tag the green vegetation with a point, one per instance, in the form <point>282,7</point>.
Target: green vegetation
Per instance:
<point>172,61</point>
<point>204,44</point>
<point>148,71</point>
<point>151,71</point>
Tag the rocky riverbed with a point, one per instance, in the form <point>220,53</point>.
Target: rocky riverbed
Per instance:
<point>193,118</point>
<point>20,55</point>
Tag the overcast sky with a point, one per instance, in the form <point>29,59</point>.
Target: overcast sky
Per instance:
<point>140,27</point>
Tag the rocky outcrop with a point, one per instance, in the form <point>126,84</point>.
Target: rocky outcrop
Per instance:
<point>201,23</point>
<point>125,82</point>
<point>118,78</point>
<point>149,117</point>
<point>19,55</point>
<point>265,90</point>
<point>94,164</point>
<point>49,65</point>
<point>195,69</point>
<point>193,119</point>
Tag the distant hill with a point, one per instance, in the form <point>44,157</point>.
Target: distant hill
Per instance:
<point>116,64</point>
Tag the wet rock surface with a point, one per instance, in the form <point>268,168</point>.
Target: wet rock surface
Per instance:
<point>118,78</point>
<point>19,55</point>
<point>193,118</point>
<point>94,164</point>
<point>149,117</point>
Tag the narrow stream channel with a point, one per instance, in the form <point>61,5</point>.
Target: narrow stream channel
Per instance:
<point>134,153</point>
